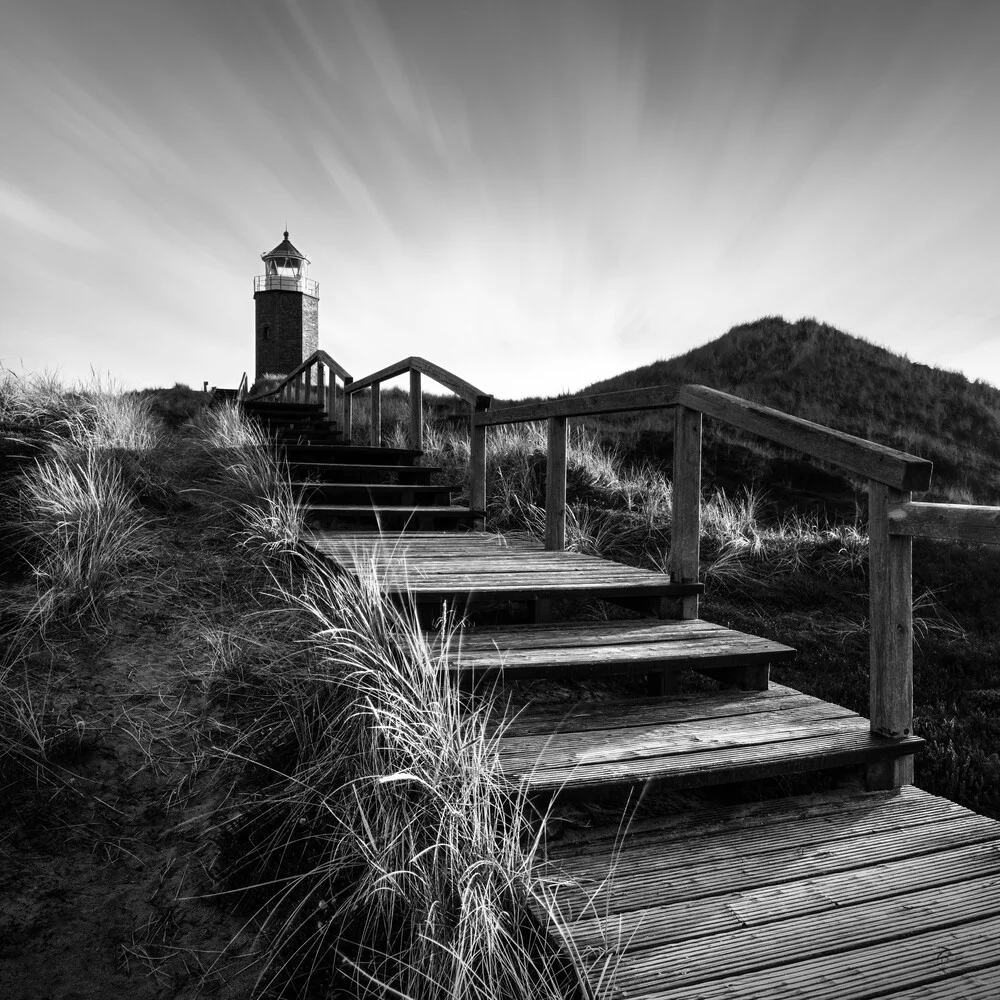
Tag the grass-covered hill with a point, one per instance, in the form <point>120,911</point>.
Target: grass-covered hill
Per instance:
<point>817,372</point>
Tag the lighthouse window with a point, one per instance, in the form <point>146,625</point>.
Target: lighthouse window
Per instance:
<point>267,332</point>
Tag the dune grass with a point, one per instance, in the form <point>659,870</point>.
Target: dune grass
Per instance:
<point>382,847</point>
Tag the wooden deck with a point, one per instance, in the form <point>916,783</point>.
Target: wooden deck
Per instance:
<point>435,566</point>
<point>848,895</point>
<point>578,650</point>
<point>688,740</point>
<point>833,897</point>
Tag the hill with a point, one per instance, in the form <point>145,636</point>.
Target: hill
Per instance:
<point>817,372</point>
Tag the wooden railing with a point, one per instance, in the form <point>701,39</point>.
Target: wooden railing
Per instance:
<point>315,381</point>
<point>893,518</point>
<point>479,402</point>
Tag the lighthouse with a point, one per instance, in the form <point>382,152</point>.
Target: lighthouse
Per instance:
<point>287,311</point>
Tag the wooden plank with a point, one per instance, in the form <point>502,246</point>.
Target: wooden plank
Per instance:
<point>733,835</point>
<point>578,716</point>
<point>864,458</point>
<point>440,375</point>
<point>477,470</point>
<point>416,412</point>
<point>684,559</point>
<point>849,747</point>
<point>376,414</point>
<point>811,937</point>
<point>891,638</point>
<point>951,521</point>
<point>758,907</point>
<point>705,823</point>
<point>613,746</point>
<point>723,870</point>
<point>648,398</point>
<point>555,485</point>
<point>984,984</point>
<point>863,973</point>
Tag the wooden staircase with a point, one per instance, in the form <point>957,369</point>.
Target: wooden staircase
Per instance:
<point>874,889</point>
<point>343,485</point>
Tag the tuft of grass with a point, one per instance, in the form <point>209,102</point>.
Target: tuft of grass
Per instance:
<point>386,848</point>
<point>250,482</point>
<point>85,534</point>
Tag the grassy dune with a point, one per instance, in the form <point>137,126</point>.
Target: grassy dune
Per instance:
<point>290,797</point>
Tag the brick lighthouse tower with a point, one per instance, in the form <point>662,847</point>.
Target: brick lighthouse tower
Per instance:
<point>287,311</point>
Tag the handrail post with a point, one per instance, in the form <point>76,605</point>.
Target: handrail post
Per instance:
<point>890,589</point>
<point>331,399</point>
<point>477,470</point>
<point>321,385</point>
<point>684,558</point>
<point>555,485</point>
<point>348,414</point>
<point>416,411</point>
<point>376,411</point>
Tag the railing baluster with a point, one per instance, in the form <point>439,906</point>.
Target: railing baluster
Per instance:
<point>684,559</point>
<point>477,470</point>
<point>376,410</point>
<point>890,590</point>
<point>348,413</point>
<point>321,386</point>
<point>555,485</point>
<point>416,411</point>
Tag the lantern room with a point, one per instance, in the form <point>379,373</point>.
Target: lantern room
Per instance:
<point>285,271</point>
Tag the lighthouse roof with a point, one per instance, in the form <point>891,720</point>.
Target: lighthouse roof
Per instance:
<point>284,249</point>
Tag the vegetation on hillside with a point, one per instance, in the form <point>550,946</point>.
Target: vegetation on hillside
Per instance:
<point>307,800</point>
<point>819,373</point>
<point>314,806</point>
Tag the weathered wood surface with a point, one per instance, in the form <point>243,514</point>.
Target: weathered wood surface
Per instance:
<point>555,484</point>
<point>416,412</point>
<point>864,458</point>
<point>684,559</point>
<point>442,376</point>
<point>858,896</point>
<point>891,610</point>
<point>950,521</point>
<point>676,743</point>
<point>376,414</point>
<point>439,565</point>
<point>651,398</point>
<point>587,649</point>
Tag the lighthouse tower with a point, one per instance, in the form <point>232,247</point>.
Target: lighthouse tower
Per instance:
<point>287,311</point>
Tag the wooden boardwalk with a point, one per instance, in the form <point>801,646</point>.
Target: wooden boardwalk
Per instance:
<point>833,897</point>
<point>845,895</point>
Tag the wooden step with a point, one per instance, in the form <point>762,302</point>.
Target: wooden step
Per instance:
<point>414,494</point>
<point>279,411</point>
<point>306,436</point>
<point>345,453</point>
<point>885,894</point>
<point>423,517</point>
<point>587,649</point>
<point>469,567</point>
<point>689,740</point>
<point>349,472</point>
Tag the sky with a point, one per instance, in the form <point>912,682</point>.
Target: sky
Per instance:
<point>535,195</point>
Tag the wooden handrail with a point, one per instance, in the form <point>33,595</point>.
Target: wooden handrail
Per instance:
<point>479,399</point>
<point>954,522</point>
<point>864,458</point>
<point>651,398</point>
<point>290,378</point>
<point>891,475</point>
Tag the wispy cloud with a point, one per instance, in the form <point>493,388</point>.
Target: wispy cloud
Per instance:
<point>41,220</point>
